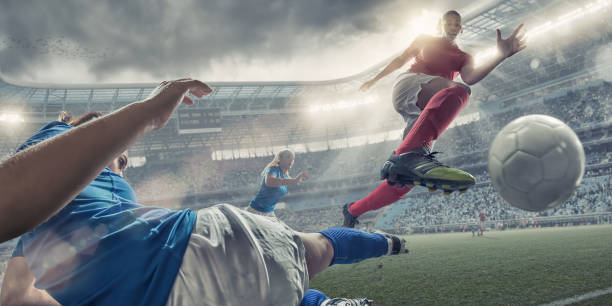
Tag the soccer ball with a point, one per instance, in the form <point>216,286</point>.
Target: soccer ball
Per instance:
<point>536,162</point>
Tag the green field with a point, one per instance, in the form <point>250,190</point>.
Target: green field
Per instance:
<point>518,267</point>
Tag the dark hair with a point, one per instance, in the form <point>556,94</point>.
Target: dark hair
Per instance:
<point>451,12</point>
<point>123,160</point>
<point>441,20</point>
<point>84,118</point>
<point>64,117</point>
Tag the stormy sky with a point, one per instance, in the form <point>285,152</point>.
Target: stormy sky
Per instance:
<point>225,40</point>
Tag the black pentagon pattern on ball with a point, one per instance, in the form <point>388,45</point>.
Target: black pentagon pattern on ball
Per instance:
<point>536,139</point>
<point>544,194</point>
<point>522,171</point>
<point>555,163</point>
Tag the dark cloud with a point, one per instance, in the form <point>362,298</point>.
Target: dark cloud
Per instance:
<point>167,38</point>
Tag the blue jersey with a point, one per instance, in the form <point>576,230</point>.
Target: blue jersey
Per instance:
<point>265,200</point>
<point>103,247</point>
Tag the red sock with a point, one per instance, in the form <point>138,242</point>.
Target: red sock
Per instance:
<point>440,111</point>
<point>384,195</point>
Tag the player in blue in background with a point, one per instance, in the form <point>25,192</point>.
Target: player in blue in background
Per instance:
<point>275,178</point>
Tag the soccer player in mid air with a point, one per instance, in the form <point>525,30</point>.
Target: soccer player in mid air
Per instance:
<point>428,99</point>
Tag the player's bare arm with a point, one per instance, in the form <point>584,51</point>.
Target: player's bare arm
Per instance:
<point>506,47</point>
<point>396,63</point>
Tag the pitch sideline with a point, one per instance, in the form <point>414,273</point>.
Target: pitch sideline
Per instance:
<point>580,298</point>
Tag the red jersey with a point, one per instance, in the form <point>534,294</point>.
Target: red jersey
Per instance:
<point>482,216</point>
<point>438,57</point>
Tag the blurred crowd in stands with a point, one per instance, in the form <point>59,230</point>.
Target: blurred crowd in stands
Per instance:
<point>462,146</point>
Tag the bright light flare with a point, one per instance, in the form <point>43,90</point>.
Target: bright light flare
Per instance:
<point>11,118</point>
<point>427,23</point>
<point>593,7</point>
<point>315,108</point>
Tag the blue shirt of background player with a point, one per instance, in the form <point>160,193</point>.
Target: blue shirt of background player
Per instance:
<point>265,200</point>
<point>103,247</point>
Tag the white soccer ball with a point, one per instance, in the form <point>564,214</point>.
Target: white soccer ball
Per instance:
<point>536,162</point>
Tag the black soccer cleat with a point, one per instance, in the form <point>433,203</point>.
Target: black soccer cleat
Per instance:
<point>398,244</point>
<point>349,219</point>
<point>420,167</point>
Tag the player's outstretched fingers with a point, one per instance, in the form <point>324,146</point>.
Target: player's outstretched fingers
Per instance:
<point>196,87</point>
<point>516,31</point>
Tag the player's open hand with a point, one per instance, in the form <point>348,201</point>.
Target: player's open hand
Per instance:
<point>168,95</point>
<point>511,45</point>
<point>302,177</point>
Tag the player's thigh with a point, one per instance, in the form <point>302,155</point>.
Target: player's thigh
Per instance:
<point>319,252</point>
<point>432,87</point>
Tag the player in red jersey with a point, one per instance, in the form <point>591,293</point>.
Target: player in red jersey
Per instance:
<point>428,99</point>
<point>482,217</point>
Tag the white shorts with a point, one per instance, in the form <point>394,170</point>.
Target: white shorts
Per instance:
<point>238,258</point>
<point>257,212</point>
<point>406,91</point>
<point>405,96</point>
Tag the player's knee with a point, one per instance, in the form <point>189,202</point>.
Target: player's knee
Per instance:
<point>464,87</point>
<point>326,247</point>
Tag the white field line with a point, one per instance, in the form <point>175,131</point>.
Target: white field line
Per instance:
<point>579,298</point>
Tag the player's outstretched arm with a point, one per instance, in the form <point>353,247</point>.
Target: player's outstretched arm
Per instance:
<point>506,47</point>
<point>396,63</point>
<point>39,181</point>
<point>273,181</point>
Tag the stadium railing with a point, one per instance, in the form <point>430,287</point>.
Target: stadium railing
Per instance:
<point>554,221</point>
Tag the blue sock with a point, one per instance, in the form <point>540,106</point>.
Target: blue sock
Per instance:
<point>351,245</point>
<point>313,298</point>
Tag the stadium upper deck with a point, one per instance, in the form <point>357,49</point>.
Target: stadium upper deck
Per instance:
<point>40,103</point>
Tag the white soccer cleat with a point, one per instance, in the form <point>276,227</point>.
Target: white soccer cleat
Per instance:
<point>347,302</point>
<point>397,245</point>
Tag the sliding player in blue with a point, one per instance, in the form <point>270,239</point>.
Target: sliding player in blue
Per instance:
<point>86,240</point>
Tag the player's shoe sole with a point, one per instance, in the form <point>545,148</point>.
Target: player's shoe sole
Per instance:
<point>347,302</point>
<point>398,245</point>
<point>419,167</point>
<point>349,220</point>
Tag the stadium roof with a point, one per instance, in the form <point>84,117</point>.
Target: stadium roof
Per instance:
<point>40,103</point>
<point>256,97</point>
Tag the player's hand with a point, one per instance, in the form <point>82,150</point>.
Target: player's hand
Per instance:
<point>511,45</point>
<point>367,85</point>
<point>168,95</point>
<point>301,177</point>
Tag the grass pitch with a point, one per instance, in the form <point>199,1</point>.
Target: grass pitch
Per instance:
<point>517,267</point>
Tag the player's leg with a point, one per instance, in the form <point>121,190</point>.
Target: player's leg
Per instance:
<point>384,195</point>
<point>441,100</point>
<point>339,245</point>
<point>438,93</point>
<point>413,163</point>
<point>429,89</point>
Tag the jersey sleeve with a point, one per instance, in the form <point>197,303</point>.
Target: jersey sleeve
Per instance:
<point>18,251</point>
<point>467,58</point>
<point>52,129</point>
<point>275,170</point>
